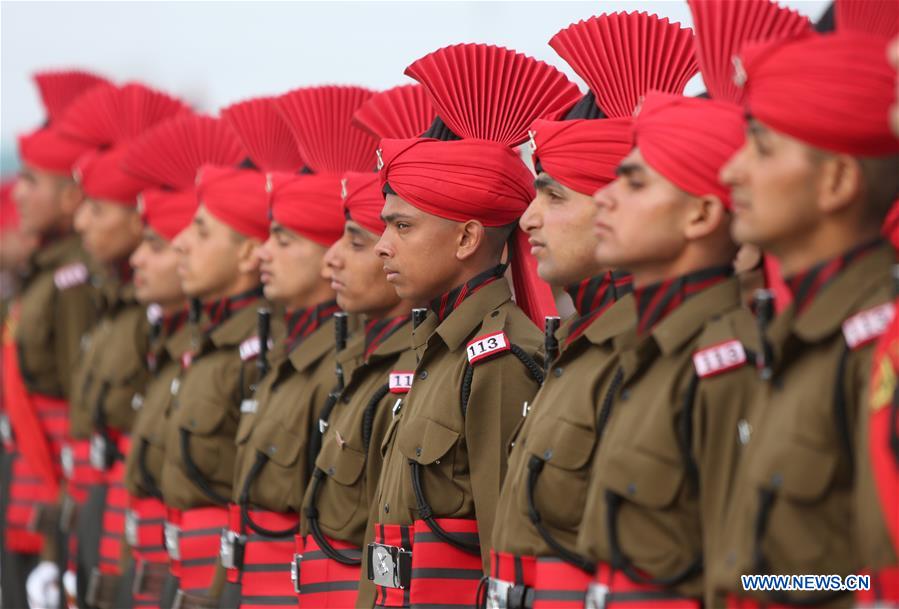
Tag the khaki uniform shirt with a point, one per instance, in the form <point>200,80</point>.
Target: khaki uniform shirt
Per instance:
<point>57,308</point>
<point>797,460</point>
<point>112,375</point>
<point>288,404</point>
<point>464,458</point>
<point>645,456</point>
<point>143,465</point>
<point>206,411</point>
<point>560,429</point>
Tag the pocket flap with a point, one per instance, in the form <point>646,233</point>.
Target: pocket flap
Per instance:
<point>425,441</point>
<point>644,479</point>
<point>344,465</point>
<point>279,444</point>
<point>796,470</point>
<point>562,444</point>
<point>200,416</point>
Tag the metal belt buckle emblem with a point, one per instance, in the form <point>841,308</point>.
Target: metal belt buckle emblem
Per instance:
<point>389,566</point>
<point>98,452</point>
<point>172,532</point>
<point>5,429</point>
<point>67,459</point>
<point>295,571</point>
<point>226,548</point>
<point>131,528</point>
<point>498,593</point>
<point>597,596</point>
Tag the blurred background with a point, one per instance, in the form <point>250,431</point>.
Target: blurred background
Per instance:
<point>215,53</point>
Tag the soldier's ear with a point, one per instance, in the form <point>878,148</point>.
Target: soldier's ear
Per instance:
<point>840,182</point>
<point>70,197</point>
<point>471,235</point>
<point>247,260</point>
<point>704,216</point>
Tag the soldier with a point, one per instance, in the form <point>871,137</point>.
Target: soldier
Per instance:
<point>812,185</point>
<point>41,341</point>
<point>450,210</point>
<point>673,404</point>
<point>376,369</point>
<point>280,431</point>
<point>166,209</point>
<point>112,370</point>
<point>218,268</point>
<point>535,533</point>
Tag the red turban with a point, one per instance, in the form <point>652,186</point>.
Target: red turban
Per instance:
<point>832,91</point>
<point>237,197</point>
<point>167,212</point>
<point>101,177</point>
<point>309,205</point>
<point>363,200</point>
<point>688,140</point>
<point>582,154</point>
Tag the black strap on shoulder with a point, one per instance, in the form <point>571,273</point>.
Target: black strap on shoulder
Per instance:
<point>112,453</point>
<point>767,498</point>
<point>840,409</point>
<point>368,416</point>
<point>533,368</point>
<point>258,464</point>
<point>311,513</point>
<point>605,410</point>
<point>685,432</point>
<point>621,561</point>
<point>535,467</point>
<point>427,514</point>
<point>193,472</point>
<point>147,481</point>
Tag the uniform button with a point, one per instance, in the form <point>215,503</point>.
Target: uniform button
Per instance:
<point>557,372</point>
<point>386,508</point>
<point>625,394</point>
<point>345,398</point>
<point>631,489</point>
<point>777,480</point>
<point>330,471</point>
<point>418,451</point>
<point>494,314</point>
<point>547,454</point>
<point>423,374</point>
<point>272,450</point>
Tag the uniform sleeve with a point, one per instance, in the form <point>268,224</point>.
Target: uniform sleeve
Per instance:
<point>499,389</point>
<point>73,317</point>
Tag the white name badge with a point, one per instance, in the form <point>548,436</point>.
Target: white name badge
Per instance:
<point>864,327</point>
<point>487,346</point>
<point>719,358</point>
<point>401,381</point>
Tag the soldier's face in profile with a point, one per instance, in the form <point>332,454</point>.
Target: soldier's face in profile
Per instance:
<point>290,267</point>
<point>559,223</point>
<point>38,197</point>
<point>417,251</point>
<point>208,256</point>
<point>110,232</point>
<point>641,218</point>
<point>357,275</point>
<point>773,181</point>
<point>155,264</point>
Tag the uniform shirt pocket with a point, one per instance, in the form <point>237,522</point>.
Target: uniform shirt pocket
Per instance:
<point>566,450</point>
<point>278,484</point>
<point>432,446</point>
<point>341,493</point>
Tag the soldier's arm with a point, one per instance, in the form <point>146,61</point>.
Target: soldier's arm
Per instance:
<point>499,389</point>
<point>74,316</point>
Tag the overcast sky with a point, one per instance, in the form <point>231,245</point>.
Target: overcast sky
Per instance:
<point>216,53</point>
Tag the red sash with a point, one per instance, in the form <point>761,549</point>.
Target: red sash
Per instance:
<point>144,531</point>
<point>173,518</point>
<point>508,567</point>
<point>201,531</point>
<point>559,585</point>
<point>324,582</point>
<point>620,586</point>
<point>114,514</point>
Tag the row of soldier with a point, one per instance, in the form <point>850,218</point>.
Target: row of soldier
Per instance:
<point>246,369</point>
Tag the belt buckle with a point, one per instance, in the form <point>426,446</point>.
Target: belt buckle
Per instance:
<point>389,566</point>
<point>498,593</point>
<point>98,452</point>
<point>596,596</point>
<point>131,537</point>
<point>137,586</point>
<point>229,544</point>
<point>67,460</point>
<point>5,429</point>
<point>172,532</point>
<point>93,587</point>
<point>295,572</point>
<point>179,598</point>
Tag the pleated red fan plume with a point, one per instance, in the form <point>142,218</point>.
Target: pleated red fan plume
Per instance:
<point>723,26</point>
<point>264,134</point>
<point>880,17</point>
<point>400,112</point>
<point>170,153</point>
<point>108,115</point>
<point>59,88</point>
<point>621,56</point>
<point>320,119</point>
<point>492,93</point>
